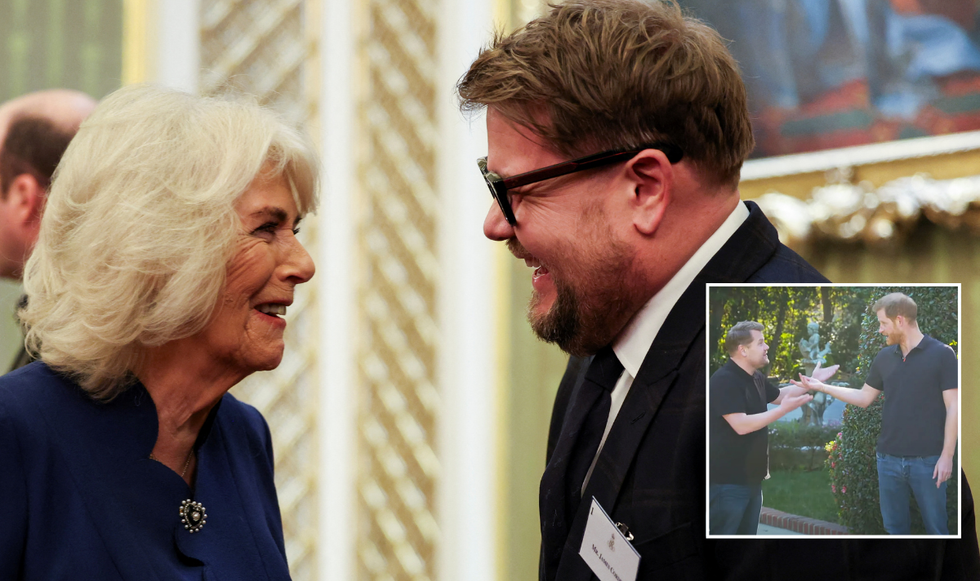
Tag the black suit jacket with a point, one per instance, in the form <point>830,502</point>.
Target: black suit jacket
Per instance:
<point>650,474</point>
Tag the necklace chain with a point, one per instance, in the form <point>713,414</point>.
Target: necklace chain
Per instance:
<point>187,462</point>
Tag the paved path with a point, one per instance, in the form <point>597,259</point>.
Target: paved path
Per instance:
<point>768,530</point>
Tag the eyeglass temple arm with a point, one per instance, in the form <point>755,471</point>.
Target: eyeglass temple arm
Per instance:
<point>563,168</point>
<point>599,159</point>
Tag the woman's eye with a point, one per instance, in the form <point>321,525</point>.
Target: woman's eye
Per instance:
<point>267,228</point>
<point>296,231</point>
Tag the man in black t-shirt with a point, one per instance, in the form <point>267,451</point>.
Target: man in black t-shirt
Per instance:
<point>918,418</point>
<point>738,438</point>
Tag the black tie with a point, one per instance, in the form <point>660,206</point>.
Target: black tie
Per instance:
<point>577,445</point>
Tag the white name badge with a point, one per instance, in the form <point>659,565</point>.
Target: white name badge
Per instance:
<point>605,550</point>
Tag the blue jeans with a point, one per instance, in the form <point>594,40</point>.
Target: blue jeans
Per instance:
<point>733,509</point>
<point>896,476</point>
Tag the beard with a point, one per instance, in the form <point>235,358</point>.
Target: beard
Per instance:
<point>894,338</point>
<point>592,306</point>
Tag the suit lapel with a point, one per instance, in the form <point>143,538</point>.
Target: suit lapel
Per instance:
<point>752,245</point>
<point>748,250</point>
<point>745,252</point>
<point>651,385</point>
<point>653,382</point>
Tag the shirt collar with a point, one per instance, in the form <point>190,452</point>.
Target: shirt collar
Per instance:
<point>920,344</point>
<point>134,414</point>
<point>633,343</point>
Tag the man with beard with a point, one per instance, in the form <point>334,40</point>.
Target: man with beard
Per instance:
<point>738,441</point>
<point>616,133</point>
<point>918,418</point>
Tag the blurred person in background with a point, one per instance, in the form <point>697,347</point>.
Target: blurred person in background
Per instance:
<point>166,260</point>
<point>34,132</point>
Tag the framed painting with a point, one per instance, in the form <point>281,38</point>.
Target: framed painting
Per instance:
<point>824,74</point>
<point>840,76</point>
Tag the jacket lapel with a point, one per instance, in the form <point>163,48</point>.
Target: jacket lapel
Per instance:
<point>748,250</point>
<point>745,252</point>
<point>653,382</point>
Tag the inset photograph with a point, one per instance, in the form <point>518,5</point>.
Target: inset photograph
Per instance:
<point>833,410</point>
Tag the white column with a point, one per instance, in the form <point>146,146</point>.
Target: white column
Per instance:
<point>177,44</point>
<point>337,549</point>
<point>467,377</point>
<point>468,421</point>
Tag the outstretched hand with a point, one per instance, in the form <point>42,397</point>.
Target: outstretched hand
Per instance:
<point>808,383</point>
<point>824,373</point>
<point>791,403</point>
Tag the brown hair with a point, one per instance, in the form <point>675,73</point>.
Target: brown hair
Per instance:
<point>896,304</point>
<point>34,146</point>
<point>741,334</point>
<point>618,74</point>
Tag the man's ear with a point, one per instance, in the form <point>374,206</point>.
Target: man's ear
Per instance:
<point>652,177</point>
<point>25,199</point>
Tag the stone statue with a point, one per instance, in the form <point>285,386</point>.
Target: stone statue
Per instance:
<point>810,348</point>
<point>812,355</point>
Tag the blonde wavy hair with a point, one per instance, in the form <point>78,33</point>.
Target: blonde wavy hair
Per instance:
<point>140,225</point>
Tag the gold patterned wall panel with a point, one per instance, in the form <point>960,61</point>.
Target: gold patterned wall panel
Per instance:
<point>398,468</point>
<point>266,49</point>
<point>262,47</point>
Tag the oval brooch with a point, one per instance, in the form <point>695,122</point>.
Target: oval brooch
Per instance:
<point>192,515</point>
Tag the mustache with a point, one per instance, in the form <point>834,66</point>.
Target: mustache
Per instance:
<point>517,249</point>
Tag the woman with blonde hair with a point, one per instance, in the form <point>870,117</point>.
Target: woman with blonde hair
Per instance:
<point>166,260</point>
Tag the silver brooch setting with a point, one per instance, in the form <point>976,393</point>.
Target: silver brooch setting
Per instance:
<point>192,515</point>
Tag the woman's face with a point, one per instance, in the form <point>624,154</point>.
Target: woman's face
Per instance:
<point>245,332</point>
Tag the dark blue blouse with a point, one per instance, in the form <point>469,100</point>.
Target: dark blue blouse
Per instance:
<point>80,498</point>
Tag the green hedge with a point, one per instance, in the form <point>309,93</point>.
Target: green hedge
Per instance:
<point>796,447</point>
<point>851,459</point>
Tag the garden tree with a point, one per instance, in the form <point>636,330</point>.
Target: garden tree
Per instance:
<point>850,304</point>
<point>852,463</point>
<point>785,312</point>
<point>733,304</point>
<point>827,303</point>
<point>777,336</point>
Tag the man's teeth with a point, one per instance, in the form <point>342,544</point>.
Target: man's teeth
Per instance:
<point>279,310</point>
<point>534,263</point>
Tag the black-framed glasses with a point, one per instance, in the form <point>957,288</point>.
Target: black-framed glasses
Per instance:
<point>499,186</point>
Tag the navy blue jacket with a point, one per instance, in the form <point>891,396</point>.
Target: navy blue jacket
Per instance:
<point>650,474</point>
<point>80,498</point>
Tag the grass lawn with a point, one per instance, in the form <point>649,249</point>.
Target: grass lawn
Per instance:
<point>801,493</point>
